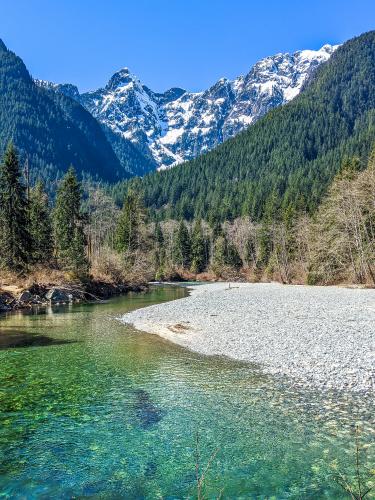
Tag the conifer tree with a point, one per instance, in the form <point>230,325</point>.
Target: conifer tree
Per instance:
<point>198,249</point>
<point>266,229</point>
<point>69,225</point>
<point>215,226</point>
<point>250,251</point>
<point>128,231</point>
<point>226,254</point>
<point>232,257</point>
<point>182,246</point>
<point>265,243</point>
<point>158,235</point>
<point>159,254</point>
<point>40,225</point>
<point>219,252</point>
<point>15,241</point>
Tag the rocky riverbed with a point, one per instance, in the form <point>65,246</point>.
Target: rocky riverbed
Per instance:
<point>320,336</point>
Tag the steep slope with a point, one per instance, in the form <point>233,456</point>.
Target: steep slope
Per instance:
<point>132,160</point>
<point>290,155</point>
<point>51,130</point>
<point>176,126</point>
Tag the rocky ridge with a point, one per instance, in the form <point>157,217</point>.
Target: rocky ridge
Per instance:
<point>175,126</point>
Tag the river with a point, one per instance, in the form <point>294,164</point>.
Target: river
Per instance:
<point>90,407</point>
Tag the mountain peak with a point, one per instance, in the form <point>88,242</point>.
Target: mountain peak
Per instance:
<point>121,78</point>
<point>176,125</point>
<point>329,48</point>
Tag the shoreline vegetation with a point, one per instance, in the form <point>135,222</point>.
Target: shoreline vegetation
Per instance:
<point>32,292</point>
<point>55,253</point>
<point>79,240</point>
<point>335,245</point>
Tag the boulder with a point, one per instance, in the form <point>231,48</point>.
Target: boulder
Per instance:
<point>25,296</point>
<point>58,295</point>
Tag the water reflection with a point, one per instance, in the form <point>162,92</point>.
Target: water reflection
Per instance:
<point>25,339</point>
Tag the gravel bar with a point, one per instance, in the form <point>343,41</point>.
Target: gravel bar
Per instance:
<point>320,336</point>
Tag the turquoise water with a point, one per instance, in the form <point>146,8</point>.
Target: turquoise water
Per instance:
<point>91,408</point>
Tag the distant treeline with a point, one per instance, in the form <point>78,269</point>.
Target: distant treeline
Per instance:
<point>336,244</point>
<point>86,233</point>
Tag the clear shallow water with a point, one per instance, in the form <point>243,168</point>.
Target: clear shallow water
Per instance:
<point>91,408</point>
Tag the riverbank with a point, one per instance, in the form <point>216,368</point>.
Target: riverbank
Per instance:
<point>27,292</point>
<point>319,336</point>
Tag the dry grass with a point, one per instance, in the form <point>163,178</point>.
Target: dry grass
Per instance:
<point>111,267</point>
<point>39,275</point>
<point>108,267</point>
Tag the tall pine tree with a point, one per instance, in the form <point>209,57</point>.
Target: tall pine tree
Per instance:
<point>68,225</point>
<point>225,254</point>
<point>267,228</point>
<point>198,249</point>
<point>15,241</point>
<point>182,246</point>
<point>129,227</point>
<point>159,251</point>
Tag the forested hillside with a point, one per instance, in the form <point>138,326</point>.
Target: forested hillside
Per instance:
<point>291,155</point>
<point>53,129</point>
<point>131,159</point>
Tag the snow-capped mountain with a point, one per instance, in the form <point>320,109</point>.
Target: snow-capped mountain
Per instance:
<point>178,125</point>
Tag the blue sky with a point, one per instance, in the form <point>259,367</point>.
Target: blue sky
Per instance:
<point>169,43</point>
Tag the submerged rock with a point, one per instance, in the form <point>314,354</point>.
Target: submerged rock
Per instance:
<point>147,412</point>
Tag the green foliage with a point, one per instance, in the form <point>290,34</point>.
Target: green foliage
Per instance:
<point>225,254</point>
<point>15,240</point>
<point>159,252</point>
<point>68,224</point>
<point>53,130</point>
<point>219,252</point>
<point>128,231</point>
<point>233,258</point>
<point>250,251</point>
<point>265,244</point>
<point>158,235</point>
<point>182,246</point>
<point>294,152</point>
<point>199,256</point>
<point>40,225</point>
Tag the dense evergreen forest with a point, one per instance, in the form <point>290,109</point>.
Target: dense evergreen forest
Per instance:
<point>292,154</point>
<point>87,237</point>
<point>29,235</point>
<point>51,130</point>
